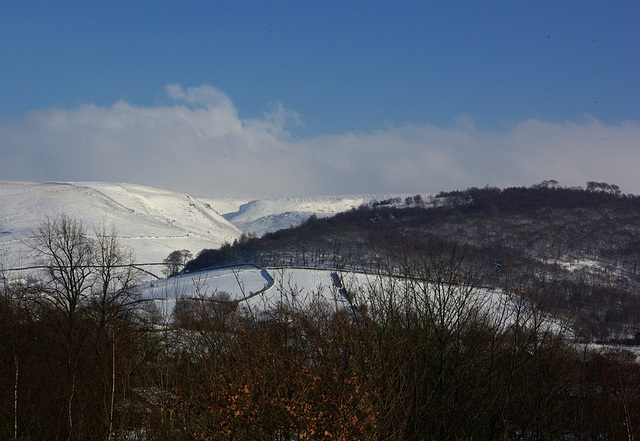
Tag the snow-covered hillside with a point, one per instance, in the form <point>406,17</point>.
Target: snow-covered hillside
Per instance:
<point>152,222</point>
<point>267,215</point>
<point>263,289</point>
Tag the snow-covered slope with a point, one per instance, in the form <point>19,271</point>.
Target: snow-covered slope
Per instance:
<point>263,289</point>
<point>151,221</point>
<point>266,215</point>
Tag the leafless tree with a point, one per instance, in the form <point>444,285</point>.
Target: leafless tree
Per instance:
<point>89,282</point>
<point>114,292</point>
<point>68,253</point>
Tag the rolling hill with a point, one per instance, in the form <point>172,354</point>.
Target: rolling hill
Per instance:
<point>152,222</point>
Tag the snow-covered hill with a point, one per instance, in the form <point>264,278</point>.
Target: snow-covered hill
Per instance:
<point>266,215</point>
<point>151,221</point>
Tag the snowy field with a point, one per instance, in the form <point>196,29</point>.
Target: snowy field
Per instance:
<point>254,288</point>
<point>264,289</point>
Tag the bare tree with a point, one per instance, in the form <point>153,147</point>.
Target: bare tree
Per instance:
<point>115,275</point>
<point>90,281</point>
<point>11,314</point>
<point>67,251</point>
<point>114,291</point>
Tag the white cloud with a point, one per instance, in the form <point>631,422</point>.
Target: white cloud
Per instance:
<point>200,145</point>
<point>430,158</point>
<point>205,95</point>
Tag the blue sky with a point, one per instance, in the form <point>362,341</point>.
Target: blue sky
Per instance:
<point>403,94</point>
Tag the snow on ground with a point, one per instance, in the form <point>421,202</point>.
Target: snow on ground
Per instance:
<point>499,308</point>
<point>261,290</point>
<point>225,205</point>
<point>254,288</point>
<point>298,288</point>
<point>590,265</point>
<point>266,215</point>
<point>239,282</point>
<point>152,222</point>
<point>578,264</point>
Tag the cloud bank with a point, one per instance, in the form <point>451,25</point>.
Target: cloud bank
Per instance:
<point>198,144</point>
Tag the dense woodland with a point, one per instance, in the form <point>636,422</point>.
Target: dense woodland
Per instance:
<point>536,236</point>
<point>414,357</point>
